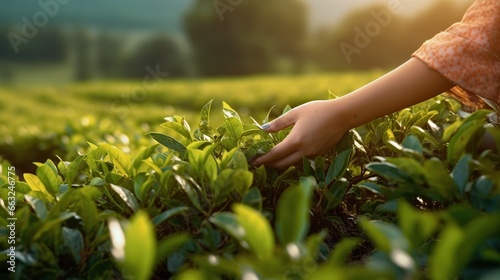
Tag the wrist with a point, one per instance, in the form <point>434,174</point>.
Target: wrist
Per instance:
<point>345,118</point>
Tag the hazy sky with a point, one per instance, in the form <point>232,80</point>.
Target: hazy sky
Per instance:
<point>333,11</point>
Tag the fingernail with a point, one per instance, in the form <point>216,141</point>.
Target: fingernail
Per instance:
<point>265,126</point>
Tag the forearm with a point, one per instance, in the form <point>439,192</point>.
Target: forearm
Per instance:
<point>409,84</point>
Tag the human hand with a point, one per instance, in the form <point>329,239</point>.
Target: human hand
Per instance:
<point>318,126</point>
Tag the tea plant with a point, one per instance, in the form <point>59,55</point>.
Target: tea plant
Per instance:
<point>405,197</point>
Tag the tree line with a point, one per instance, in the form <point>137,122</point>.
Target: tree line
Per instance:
<point>231,38</point>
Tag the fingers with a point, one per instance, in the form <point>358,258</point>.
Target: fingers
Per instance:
<point>281,122</point>
<point>284,154</point>
<point>271,160</point>
<point>292,159</point>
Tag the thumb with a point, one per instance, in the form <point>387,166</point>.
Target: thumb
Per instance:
<point>282,122</point>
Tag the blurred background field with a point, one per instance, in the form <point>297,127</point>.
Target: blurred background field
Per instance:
<point>44,121</point>
<point>78,71</point>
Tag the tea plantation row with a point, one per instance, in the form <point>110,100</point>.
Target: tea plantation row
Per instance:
<point>408,196</point>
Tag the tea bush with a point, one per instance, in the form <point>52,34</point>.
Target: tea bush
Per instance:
<point>408,196</point>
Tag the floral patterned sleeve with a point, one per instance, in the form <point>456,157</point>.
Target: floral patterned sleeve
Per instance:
<point>468,54</point>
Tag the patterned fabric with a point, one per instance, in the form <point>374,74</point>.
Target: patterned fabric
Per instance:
<point>468,54</point>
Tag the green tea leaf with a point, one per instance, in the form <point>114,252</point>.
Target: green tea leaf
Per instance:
<point>204,124</point>
<point>388,170</point>
<point>241,181</point>
<point>257,231</point>
<point>229,112</point>
<point>169,244</point>
<point>283,176</point>
<point>442,262</point>
<point>178,128</point>
<point>221,187</point>
<point>319,166</point>
<point>169,142</point>
<point>73,239</point>
<point>439,179</point>
<point>425,135</point>
<point>338,166</point>
<point>192,274</point>
<point>461,173</point>
<point>139,237</point>
<point>37,186</point>
<point>38,206</point>
<point>54,223</point>
<point>229,223</point>
<point>258,149</point>
<point>238,161</point>
<point>72,170</point>
<point>386,236</point>
<point>119,158</point>
<point>234,129</point>
<point>142,155</point>
<point>292,213</point>
<point>190,190</point>
<point>48,179</point>
<point>342,251</point>
<point>411,142</point>
<point>450,130</point>
<point>417,226</point>
<point>375,188</point>
<point>462,137</point>
<point>253,198</point>
<point>127,197</point>
<point>336,193</point>
<point>168,214</point>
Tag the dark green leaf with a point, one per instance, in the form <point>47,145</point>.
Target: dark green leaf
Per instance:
<point>127,197</point>
<point>411,142</point>
<point>229,223</point>
<point>168,214</point>
<point>375,188</point>
<point>461,173</point>
<point>338,166</point>
<point>73,239</point>
<point>336,193</point>
<point>319,169</point>
<point>342,251</point>
<point>38,206</point>
<point>258,149</point>
<point>169,142</point>
<point>168,245</point>
<point>386,236</point>
<point>388,170</point>
<point>190,190</point>
<point>253,198</point>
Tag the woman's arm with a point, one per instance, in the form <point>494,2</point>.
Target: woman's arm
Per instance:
<point>319,125</point>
